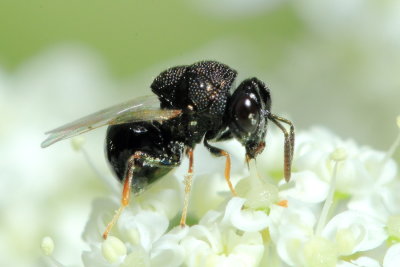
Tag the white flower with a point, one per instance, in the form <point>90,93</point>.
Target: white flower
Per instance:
<point>345,234</point>
<point>221,237</point>
<point>143,223</point>
<point>231,238</point>
<point>353,232</point>
<point>284,223</point>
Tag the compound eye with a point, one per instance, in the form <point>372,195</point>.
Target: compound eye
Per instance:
<point>246,113</point>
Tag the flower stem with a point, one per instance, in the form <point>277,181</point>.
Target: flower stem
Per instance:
<point>328,202</point>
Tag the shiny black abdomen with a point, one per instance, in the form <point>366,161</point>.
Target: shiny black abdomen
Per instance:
<point>122,141</point>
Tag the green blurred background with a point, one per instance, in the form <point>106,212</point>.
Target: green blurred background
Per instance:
<point>330,63</point>
<point>132,35</point>
<point>333,63</point>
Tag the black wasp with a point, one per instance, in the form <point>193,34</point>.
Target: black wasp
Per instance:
<point>148,136</point>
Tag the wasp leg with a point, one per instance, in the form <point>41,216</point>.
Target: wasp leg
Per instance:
<point>188,185</point>
<point>219,153</point>
<point>134,161</point>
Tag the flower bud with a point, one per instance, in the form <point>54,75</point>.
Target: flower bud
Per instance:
<point>113,249</point>
<point>47,246</point>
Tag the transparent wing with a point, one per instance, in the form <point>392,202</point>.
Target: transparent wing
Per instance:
<point>144,108</point>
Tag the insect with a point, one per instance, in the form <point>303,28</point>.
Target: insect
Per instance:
<point>149,136</point>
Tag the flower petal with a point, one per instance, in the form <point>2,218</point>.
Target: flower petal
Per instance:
<point>367,232</point>
<point>392,257</point>
<point>308,188</point>
<point>245,220</point>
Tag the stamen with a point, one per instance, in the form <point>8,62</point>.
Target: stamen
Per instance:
<point>77,142</point>
<point>113,249</point>
<point>47,247</point>
<point>338,155</point>
<point>283,203</point>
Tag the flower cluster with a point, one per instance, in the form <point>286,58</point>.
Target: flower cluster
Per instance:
<point>339,209</point>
